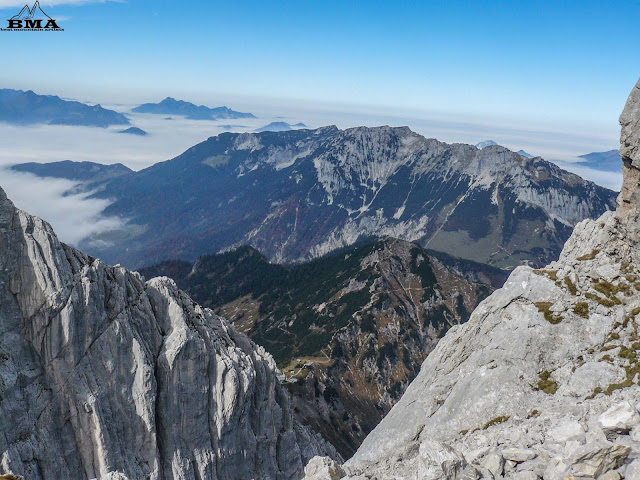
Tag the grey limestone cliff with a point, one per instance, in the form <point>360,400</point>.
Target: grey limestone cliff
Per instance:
<point>543,382</point>
<point>104,375</point>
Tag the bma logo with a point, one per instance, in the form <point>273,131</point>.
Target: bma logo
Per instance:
<point>32,19</point>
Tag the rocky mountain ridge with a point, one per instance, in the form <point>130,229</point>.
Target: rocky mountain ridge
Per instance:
<point>543,381</point>
<point>103,375</point>
<point>300,194</point>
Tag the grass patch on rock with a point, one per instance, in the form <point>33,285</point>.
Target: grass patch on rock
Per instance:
<point>495,421</point>
<point>549,316</point>
<point>547,385</point>
<point>602,301</point>
<point>571,286</point>
<point>589,256</point>
<point>595,392</point>
<point>552,274</point>
<point>605,288</point>
<point>581,309</point>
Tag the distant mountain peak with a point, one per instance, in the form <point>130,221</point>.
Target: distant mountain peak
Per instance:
<point>279,127</point>
<point>524,154</point>
<point>608,161</point>
<point>26,108</point>
<point>171,106</point>
<point>134,131</point>
<point>485,143</point>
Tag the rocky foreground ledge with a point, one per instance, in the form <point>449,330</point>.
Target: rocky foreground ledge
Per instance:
<point>543,382</point>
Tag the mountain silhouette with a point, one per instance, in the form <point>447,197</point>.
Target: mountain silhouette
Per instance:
<point>34,12</point>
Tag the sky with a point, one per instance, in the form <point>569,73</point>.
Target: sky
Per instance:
<point>566,64</point>
<point>550,77</point>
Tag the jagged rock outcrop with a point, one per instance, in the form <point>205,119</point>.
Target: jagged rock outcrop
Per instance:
<point>103,375</point>
<point>544,379</point>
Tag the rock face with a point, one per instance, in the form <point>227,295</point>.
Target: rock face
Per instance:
<point>301,194</point>
<point>544,379</point>
<point>629,199</point>
<point>105,376</point>
<point>349,331</point>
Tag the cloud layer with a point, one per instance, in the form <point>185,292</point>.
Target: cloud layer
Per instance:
<point>73,217</point>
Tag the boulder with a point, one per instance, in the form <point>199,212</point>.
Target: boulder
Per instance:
<point>323,468</point>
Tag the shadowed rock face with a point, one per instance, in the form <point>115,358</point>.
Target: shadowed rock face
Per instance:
<point>629,199</point>
<point>543,381</point>
<point>103,375</point>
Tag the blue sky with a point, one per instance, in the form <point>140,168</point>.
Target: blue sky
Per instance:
<point>553,64</point>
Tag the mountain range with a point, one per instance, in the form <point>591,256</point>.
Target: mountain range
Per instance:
<point>25,108</point>
<point>107,375</point>
<point>301,194</point>
<point>89,175</point>
<point>349,331</point>
<point>171,106</point>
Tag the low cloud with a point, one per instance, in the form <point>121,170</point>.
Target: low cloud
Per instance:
<point>73,217</point>
<point>611,180</point>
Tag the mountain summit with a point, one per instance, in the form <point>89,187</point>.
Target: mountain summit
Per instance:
<point>485,143</point>
<point>543,381</point>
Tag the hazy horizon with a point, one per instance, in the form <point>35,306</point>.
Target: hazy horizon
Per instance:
<point>547,78</point>
<point>546,64</point>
